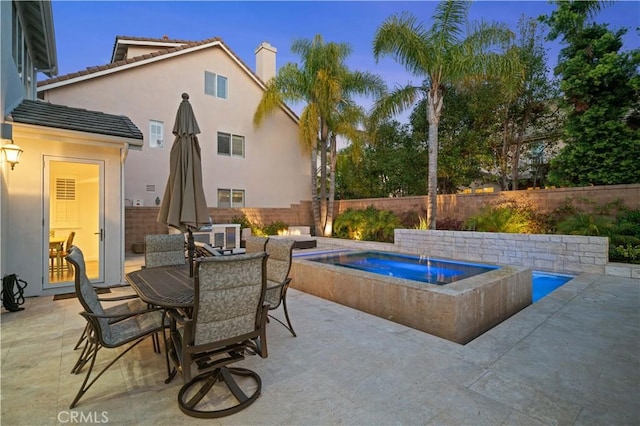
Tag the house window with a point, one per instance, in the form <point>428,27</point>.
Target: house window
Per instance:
<point>156,134</point>
<point>209,83</point>
<point>232,145</point>
<point>21,55</point>
<point>215,85</point>
<point>221,87</point>
<point>231,198</point>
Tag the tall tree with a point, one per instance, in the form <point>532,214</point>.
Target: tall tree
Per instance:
<point>325,83</point>
<point>463,134</point>
<point>440,54</point>
<point>601,87</point>
<point>529,114</point>
<point>392,166</point>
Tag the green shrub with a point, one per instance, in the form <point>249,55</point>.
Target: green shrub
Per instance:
<point>409,219</point>
<point>273,228</point>
<point>449,224</point>
<point>368,225</point>
<point>242,220</point>
<point>629,223</point>
<point>625,253</point>
<point>511,217</point>
<point>422,224</point>
<point>586,224</point>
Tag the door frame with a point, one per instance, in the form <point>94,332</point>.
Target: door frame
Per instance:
<point>46,220</point>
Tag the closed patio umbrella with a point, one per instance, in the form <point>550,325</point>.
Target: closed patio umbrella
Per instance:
<point>184,206</point>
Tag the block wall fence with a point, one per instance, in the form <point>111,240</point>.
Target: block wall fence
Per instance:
<point>140,221</point>
<point>462,206</point>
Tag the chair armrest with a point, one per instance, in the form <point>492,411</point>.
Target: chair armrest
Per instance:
<point>118,298</point>
<point>178,317</point>
<point>120,316</point>
<point>282,284</point>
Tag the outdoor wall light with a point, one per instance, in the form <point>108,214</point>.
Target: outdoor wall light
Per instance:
<point>11,151</point>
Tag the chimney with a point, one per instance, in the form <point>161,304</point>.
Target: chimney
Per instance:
<point>266,61</point>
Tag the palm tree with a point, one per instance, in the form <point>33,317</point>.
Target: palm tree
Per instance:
<point>326,84</point>
<point>440,55</point>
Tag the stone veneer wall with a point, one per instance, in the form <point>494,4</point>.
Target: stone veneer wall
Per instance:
<point>560,253</point>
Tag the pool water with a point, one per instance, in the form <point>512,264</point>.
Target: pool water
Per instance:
<point>544,283</point>
<point>431,270</point>
<point>422,269</point>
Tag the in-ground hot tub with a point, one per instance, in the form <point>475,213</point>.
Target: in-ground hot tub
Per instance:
<point>458,309</point>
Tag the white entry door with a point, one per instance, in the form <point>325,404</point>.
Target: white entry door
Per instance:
<point>73,212</point>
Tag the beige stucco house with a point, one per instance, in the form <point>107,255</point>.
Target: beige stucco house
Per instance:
<point>70,177</point>
<point>242,166</point>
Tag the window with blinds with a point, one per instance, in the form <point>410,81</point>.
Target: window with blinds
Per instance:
<point>66,206</point>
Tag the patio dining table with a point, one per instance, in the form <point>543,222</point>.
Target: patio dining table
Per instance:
<point>168,287</point>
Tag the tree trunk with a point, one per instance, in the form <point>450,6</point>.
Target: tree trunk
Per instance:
<point>323,178</point>
<point>315,201</point>
<point>434,108</point>
<point>515,166</point>
<point>502,163</point>
<point>332,185</point>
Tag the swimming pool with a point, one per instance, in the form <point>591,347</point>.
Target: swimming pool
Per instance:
<point>431,270</point>
<point>422,269</point>
<point>543,283</point>
<point>459,310</point>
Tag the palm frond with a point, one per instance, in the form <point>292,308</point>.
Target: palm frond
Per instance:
<point>402,38</point>
<point>449,19</point>
<point>271,99</point>
<point>397,101</point>
<point>364,83</point>
<point>309,127</point>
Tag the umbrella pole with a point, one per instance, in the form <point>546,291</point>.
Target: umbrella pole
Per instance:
<point>190,250</point>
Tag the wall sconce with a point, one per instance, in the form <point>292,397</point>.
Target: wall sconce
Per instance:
<point>11,151</point>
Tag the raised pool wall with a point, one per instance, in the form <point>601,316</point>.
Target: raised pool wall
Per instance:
<point>458,311</point>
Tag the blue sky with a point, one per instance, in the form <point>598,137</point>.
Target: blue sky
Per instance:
<point>86,31</point>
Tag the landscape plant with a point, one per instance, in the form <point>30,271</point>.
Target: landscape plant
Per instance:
<point>508,216</point>
<point>368,224</point>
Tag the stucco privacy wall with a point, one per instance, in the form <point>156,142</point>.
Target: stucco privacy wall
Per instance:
<point>561,253</point>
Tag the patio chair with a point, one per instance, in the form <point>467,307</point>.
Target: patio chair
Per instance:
<point>164,250</point>
<point>228,318</point>
<point>106,330</point>
<point>278,267</point>
<point>255,243</point>
<point>133,304</point>
<point>53,252</point>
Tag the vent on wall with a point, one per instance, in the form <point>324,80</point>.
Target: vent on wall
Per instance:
<point>151,188</point>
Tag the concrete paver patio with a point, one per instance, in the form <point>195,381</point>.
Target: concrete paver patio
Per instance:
<point>571,358</point>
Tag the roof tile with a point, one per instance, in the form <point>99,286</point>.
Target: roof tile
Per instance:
<point>63,117</point>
